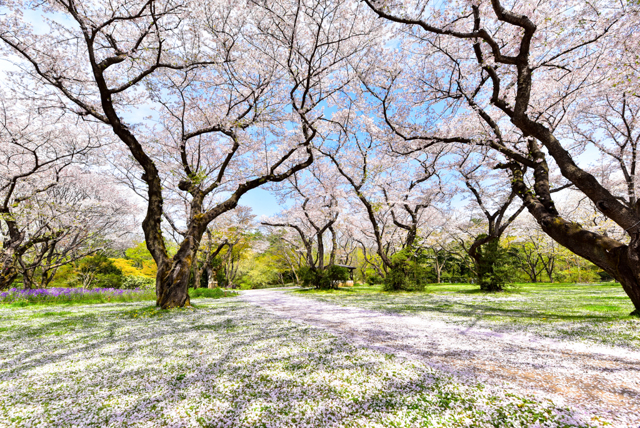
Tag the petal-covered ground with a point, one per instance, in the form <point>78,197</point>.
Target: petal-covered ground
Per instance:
<point>595,378</point>
<point>588,313</point>
<point>229,363</point>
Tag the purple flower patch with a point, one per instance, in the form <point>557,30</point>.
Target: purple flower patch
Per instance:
<point>44,295</point>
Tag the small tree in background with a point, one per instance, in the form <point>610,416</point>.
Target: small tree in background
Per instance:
<point>98,271</point>
<point>493,266</point>
<point>408,272</point>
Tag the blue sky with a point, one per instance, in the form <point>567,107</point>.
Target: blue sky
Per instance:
<point>262,202</point>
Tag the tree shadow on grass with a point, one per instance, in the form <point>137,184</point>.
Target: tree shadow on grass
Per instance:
<point>487,310</point>
<point>258,363</point>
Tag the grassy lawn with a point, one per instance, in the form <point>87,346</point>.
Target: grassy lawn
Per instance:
<point>227,363</point>
<point>595,313</point>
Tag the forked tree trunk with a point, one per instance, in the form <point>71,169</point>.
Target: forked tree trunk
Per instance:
<point>475,253</point>
<point>27,278</point>
<point>549,266</point>
<point>47,277</point>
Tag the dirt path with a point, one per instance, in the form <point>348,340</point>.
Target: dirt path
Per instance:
<point>601,380</point>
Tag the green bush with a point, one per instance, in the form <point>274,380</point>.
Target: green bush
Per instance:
<point>407,272</point>
<point>325,279</point>
<point>495,266</point>
<point>141,282</point>
<point>99,264</point>
<point>108,280</point>
<point>575,275</point>
<point>98,272</point>
<point>372,278</point>
<point>337,274</point>
<point>260,276</point>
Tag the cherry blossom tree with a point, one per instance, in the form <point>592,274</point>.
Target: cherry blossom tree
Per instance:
<point>83,214</point>
<point>237,89</point>
<point>36,149</point>
<point>392,189</point>
<point>313,215</point>
<point>493,199</point>
<point>523,71</point>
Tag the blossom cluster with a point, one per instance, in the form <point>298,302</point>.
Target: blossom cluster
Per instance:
<point>59,295</point>
<point>228,363</point>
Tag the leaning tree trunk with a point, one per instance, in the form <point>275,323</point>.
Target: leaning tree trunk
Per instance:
<point>620,261</point>
<point>628,271</point>
<point>617,259</point>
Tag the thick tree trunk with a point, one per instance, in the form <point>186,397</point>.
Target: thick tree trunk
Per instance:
<point>172,283</point>
<point>172,280</point>
<point>8,273</point>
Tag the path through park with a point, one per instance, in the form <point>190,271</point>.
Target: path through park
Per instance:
<point>601,380</point>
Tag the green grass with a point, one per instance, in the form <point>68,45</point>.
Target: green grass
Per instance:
<point>598,313</point>
<point>210,293</point>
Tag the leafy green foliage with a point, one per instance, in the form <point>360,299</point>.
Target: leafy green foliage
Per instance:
<point>133,282</point>
<point>260,274</point>
<point>494,266</point>
<point>99,271</point>
<point>408,271</point>
<point>99,264</point>
<point>324,279</point>
<point>139,254</point>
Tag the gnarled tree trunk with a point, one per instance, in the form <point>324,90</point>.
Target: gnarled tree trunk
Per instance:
<point>172,283</point>
<point>8,271</point>
<point>172,280</point>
